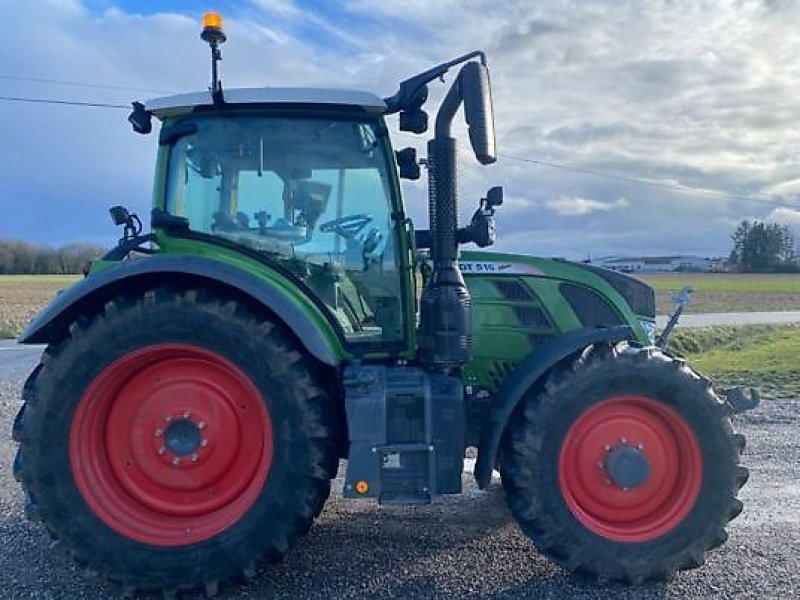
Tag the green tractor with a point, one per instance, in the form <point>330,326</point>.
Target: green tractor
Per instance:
<point>201,384</point>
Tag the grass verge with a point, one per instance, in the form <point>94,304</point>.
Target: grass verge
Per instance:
<point>763,356</point>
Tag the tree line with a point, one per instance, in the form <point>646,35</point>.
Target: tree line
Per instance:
<point>764,248</point>
<point>758,247</point>
<point>23,258</point>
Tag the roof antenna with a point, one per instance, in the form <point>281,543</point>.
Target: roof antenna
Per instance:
<point>214,36</point>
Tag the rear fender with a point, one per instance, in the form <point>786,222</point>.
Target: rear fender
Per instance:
<point>320,341</point>
<point>532,368</point>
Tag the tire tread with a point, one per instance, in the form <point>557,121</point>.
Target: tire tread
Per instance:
<point>313,403</point>
<point>524,441</point>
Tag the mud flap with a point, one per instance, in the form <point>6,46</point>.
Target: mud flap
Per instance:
<point>740,401</point>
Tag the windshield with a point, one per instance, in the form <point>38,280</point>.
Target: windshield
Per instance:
<point>314,194</point>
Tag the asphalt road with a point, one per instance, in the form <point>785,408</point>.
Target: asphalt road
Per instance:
<point>465,546</point>
<point>741,318</point>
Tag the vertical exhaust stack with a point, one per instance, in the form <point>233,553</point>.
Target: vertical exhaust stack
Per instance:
<point>445,331</point>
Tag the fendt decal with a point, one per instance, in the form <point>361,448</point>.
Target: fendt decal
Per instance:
<point>497,268</point>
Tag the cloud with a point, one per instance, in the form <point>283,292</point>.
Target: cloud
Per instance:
<point>785,215</point>
<point>697,95</point>
<point>575,206</point>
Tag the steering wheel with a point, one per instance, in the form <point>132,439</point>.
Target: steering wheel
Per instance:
<point>348,226</point>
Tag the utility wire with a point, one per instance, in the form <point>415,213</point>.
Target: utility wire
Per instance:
<point>636,180</point>
<point>619,177</point>
<point>533,161</point>
<point>66,102</point>
<point>649,182</point>
<point>83,84</point>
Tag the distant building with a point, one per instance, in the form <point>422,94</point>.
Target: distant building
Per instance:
<point>658,264</point>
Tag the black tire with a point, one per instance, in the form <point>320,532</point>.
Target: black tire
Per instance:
<point>304,427</point>
<point>537,459</point>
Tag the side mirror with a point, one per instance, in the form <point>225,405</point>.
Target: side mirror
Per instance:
<point>477,93</point>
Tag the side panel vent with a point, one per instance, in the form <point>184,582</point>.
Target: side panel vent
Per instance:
<point>536,339</point>
<point>588,306</point>
<point>512,289</point>
<point>531,316</point>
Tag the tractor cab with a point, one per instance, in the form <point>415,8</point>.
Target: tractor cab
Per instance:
<point>305,180</point>
<point>301,178</point>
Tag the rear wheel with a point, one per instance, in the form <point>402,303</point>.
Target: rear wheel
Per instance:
<point>625,467</point>
<point>174,440</point>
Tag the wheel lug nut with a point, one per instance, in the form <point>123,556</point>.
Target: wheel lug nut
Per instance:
<point>622,440</point>
<point>607,481</point>
<point>639,446</point>
<point>176,461</point>
<point>162,450</point>
<point>168,418</point>
<point>186,414</point>
<point>204,443</point>
<point>193,458</point>
<point>159,432</point>
<point>607,448</point>
<point>600,464</point>
<point>201,425</point>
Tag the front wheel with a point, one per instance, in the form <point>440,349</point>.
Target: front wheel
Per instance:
<point>175,439</point>
<point>625,467</point>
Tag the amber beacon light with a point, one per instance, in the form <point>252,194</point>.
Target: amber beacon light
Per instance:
<point>212,28</point>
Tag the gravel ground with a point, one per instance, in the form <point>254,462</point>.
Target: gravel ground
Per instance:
<point>463,546</point>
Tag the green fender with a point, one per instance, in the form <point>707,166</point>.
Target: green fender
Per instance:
<point>520,380</point>
<point>321,342</point>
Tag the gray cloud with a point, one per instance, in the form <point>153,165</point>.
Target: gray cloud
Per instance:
<point>685,93</point>
<point>577,206</point>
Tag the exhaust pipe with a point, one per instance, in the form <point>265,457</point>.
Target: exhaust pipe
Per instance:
<point>445,331</point>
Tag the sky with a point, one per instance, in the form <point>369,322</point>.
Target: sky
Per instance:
<point>643,127</point>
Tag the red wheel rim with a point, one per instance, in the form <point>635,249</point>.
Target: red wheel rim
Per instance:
<point>649,430</point>
<point>171,445</point>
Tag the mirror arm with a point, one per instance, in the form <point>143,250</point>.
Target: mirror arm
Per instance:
<point>410,88</point>
<point>448,108</point>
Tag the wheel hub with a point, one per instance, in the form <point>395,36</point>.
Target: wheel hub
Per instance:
<point>183,437</point>
<point>628,466</point>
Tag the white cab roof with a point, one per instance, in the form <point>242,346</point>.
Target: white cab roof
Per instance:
<point>183,103</point>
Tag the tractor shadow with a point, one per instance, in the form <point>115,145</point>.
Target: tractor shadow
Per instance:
<point>465,546</point>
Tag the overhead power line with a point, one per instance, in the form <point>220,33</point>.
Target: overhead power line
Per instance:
<point>83,84</point>
<point>542,163</point>
<point>66,102</point>
<point>649,182</point>
<point>606,175</point>
<point>684,189</point>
